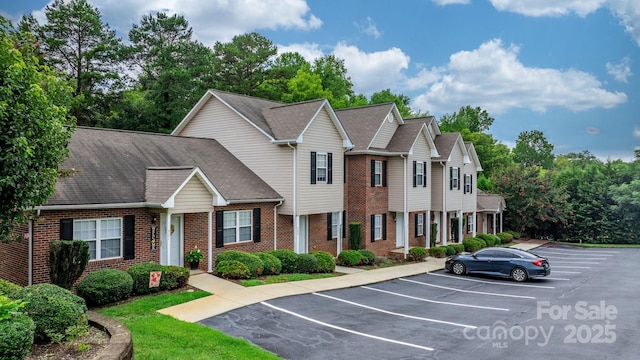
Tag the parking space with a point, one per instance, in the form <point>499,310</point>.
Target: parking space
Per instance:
<point>586,306</point>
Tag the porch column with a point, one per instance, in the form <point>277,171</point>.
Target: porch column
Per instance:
<point>167,238</point>
<point>428,230</point>
<point>494,223</point>
<point>501,230</point>
<point>460,234</point>
<point>444,225</point>
<point>475,225</point>
<point>296,234</point>
<point>339,235</point>
<point>210,240</point>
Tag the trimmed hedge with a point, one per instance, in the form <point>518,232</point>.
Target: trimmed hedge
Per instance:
<point>505,237</point>
<point>307,263</point>
<point>472,244</point>
<point>253,263</point>
<point>458,247</point>
<point>515,234</point>
<point>438,251</point>
<point>232,269</point>
<point>54,310</point>
<point>417,253</point>
<point>105,286</point>
<point>368,257</point>
<point>174,277</point>
<point>16,337</point>
<point>326,262</point>
<point>7,288</point>
<point>349,258</point>
<point>490,240</point>
<point>140,274</point>
<point>451,250</point>
<point>272,265</point>
<point>288,259</point>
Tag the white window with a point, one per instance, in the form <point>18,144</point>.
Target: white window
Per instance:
<point>237,226</point>
<point>419,174</point>
<point>470,223</point>
<point>454,178</point>
<point>420,224</point>
<point>377,173</point>
<point>467,184</point>
<point>321,167</point>
<point>103,235</point>
<point>335,219</point>
<point>377,227</point>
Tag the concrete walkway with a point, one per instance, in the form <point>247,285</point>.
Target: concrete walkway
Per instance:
<point>228,295</point>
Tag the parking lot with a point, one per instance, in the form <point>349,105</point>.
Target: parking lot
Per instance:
<point>587,308</point>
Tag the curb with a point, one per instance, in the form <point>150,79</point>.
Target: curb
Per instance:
<point>120,344</point>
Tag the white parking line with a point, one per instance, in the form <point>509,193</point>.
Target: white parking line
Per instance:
<point>574,252</point>
<point>468,291</point>
<point>555,278</point>
<point>566,272</point>
<point>577,258</point>
<point>570,267</point>
<point>492,282</point>
<point>347,330</point>
<point>395,313</point>
<point>579,262</point>
<point>434,301</point>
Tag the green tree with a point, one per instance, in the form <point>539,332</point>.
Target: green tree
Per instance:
<point>34,108</point>
<point>401,101</point>
<point>627,198</point>
<point>492,154</point>
<point>476,120</point>
<point>333,74</point>
<point>532,148</point>
<point>305,86</point>
<point>78,43</point>
<point>283,68</point>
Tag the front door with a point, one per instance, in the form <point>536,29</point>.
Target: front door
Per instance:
<point>399,229</point>
<point>171,248</point>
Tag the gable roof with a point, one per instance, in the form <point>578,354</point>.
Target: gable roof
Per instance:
<point>406,135</point>
<point>123,167</point>
<point>473,155</point>
<point>445,143</point>
<point>279,122</point>
<point>490,202</point>
<point>363,123</point>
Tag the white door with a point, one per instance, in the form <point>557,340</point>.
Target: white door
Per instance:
<point>303,236</point>
<point>399,229</point>
<point>436,220</point>
<point>484,223</point>
<point>171,249</point>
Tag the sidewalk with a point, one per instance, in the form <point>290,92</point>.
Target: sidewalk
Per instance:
<point>228,295</point>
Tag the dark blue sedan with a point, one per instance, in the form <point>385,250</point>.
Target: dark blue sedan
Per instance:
<point>517,264</point>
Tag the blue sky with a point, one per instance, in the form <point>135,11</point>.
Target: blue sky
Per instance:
<point>568,68</point>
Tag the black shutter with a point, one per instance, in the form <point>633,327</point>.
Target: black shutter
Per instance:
<point>415,174</point>
<point>313,167</point>
<point>471,184</point>
<point>424,174</point>
<point>450,178</point>
<point>344,224</point>
<point>129,237</point>
<point>384,173</point>
<point>373,173</point>
<point>459,179</point>
<point>219,228</point>
<point>257,225</point>
<point>465,185</point>
<point>329,168</point>
<point>415,224</point>
<point>373,228</point>
<point>329,222</point>
<point>384,226</point>
<point>66,229</point>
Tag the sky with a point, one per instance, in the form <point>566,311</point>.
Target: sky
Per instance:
<point>569,68</point>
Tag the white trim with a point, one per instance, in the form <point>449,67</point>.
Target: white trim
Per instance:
<point>98,238</point>
<point>217,198</point>
<point>398,117</point>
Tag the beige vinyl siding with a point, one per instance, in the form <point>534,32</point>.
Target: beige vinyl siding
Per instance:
<point>419,198</point>
<point>454,197</point>
<point>322,137</point>
<point>470,199</point>
<point>437,178</point>
<point>395,179</point>
<point>385,133</point>
<point>193,197</point>
<point>273,163</point>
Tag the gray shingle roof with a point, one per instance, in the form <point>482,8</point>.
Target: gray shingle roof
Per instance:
<point>112,167</point>
<point>362,123</point>
<point>445,143</point>
<point>490,202</point>
<point>289,121</point>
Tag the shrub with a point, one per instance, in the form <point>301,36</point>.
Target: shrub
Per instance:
<point>482,242</point>
<point>105,286</point>
<point>288,258</point>
<point>417,253</point>
<point>451,250</point>
<point>355,235</point>
<point>490,240</point>
<point>7,288</point>
<point>515,234</point>
<point>67,261</point>
<point>307,263</point>
<point>368,257</point>
<point>140,274</point>
<point>458,247</point>
<point>54,310</point>
<point>326,262</point>
<point>505,237</point>
<point>174,277</point>
<point>253,263</point>
<point>497,240</point>
<point>349,258</point>
<point>272,265</point>
<point>471,244</point>
<point>16,336</point>
<point>232,269</point>
<point>438,251</point>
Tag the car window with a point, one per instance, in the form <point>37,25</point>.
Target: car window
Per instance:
<point>505,254</point>
<point>485,254</point>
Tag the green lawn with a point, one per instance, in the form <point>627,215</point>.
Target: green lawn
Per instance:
<point>158,336</point>
<point>276,279</point>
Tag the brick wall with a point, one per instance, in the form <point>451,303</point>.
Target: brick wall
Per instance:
<point>14,258</point>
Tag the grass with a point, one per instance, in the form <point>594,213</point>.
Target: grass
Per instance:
<point>282,278</point>
<point>158,336</point>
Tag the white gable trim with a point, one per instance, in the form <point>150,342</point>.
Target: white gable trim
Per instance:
<point>217,198</point>
<point>346,142</point>
<point>474,156</point>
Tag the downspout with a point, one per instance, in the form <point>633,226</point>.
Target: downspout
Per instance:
<point>210,240</point>
<point>405,218</point>
<point>444,225</point>
<point>275,225</point>
<point>296,221</point>
<point>30,246</point>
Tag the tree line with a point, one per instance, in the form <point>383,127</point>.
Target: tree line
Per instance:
<point>86,75</point>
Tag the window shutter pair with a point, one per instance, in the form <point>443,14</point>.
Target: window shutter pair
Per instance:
<point>383,230</point>
<point>257,227</point>
<point>128,232</point>
<point>314,175</point>
<point>415,174</point>
<point>383,176</point>
<point>330,225</point>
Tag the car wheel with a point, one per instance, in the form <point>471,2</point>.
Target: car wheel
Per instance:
<point>458,268</point>
<point>519,274</point>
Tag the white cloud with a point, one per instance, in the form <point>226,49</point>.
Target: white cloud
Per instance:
<point>493,77</point>
<point>214,20</point>
<point>636,131</point>
<point>548,7</point>
<point>375,71</point>
<point>620,71</point>
<point>309,51</point>
<point>369,27</point>
<point>451,2</point>
<point>628,11</point>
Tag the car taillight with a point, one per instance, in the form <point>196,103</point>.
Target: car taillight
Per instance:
<point>538,262</point>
